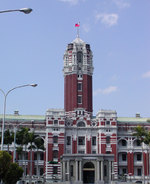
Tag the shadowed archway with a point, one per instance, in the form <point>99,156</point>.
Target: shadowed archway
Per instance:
<point>88,173</point>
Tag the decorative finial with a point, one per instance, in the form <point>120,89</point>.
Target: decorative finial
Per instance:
<point>77,25</point>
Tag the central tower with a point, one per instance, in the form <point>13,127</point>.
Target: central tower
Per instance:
<point>78,70</point>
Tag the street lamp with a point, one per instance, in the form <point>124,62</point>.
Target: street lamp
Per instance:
<point>24,10</point>
<point>4,112</point>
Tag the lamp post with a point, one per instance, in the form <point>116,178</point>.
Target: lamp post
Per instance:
<point>4,112</point>
<point>24,10</point>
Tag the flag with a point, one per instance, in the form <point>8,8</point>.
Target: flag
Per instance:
<point>77,25</point>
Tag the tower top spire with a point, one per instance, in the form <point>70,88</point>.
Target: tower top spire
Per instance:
<point>77,25</point>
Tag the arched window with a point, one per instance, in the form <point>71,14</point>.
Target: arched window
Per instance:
<point>81,124</point>
<point>80,57</point>
<point>124,142</point>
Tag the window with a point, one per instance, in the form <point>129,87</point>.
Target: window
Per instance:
<point>55,169</point>
<point>107,122</point>
<point>71,170</point>
<point>79,57</point>
<point>80,99</point>
<point>79,86</point>
<point>93,141</point>
<point>81,124</point>
<point>139,171</point>
<point>81,140</point>
<point>124,170</point>
<point>124,143</point>
<point>138,143</point>
<point>139,157</point>
<point>41,171</point>
<point>55,139</point>
<point>68,140</point>
<point>94,152</point>
<point>108,140</point>
<point>41,156</point>
<point>124,157</point>
<point>55,154</point>
<point>81,151</point>
<point>55,122</point>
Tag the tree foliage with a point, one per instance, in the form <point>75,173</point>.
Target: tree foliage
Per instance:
<point>142,134</point>
<point>10,172</point>
<point>13,174</point>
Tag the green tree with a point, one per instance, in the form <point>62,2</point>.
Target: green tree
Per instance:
<point>39,143</point>
<point>9,137</point>
<point>32,138</point>
<point>13,174</point>
<point>22,139</point>
<point>5,161</point>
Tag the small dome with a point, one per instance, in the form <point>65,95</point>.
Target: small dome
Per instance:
<point>78,41</point>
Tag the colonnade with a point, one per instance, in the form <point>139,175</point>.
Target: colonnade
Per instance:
<point>78,169</point>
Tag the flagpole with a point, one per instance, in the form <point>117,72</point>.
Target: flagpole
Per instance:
<point>77,26</point>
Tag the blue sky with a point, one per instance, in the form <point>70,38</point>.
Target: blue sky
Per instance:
<point>32,48</point>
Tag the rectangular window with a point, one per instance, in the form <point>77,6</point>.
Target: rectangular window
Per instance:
<point>107,122</point>
<point>108,140</point>
<point>124,157</point>
<point>124,171</point>
<point>81,151</point>
<point>55,139</point>
<point>94,152</point>
<point>93,141</point>
<point>55,122</point>
<point>81,140</point>
<point>55,169</point>
<point>139,157</point>
<point>41,171</point>
<point>68,140</point>
<point>139,171</point>
<point>79,86</point>
<point>79,99</point>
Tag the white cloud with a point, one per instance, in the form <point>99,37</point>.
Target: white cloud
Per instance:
<point>73,2</point>
<point>86,27</point>
<point>121,3</point>
<point>146,75</point>
<point>107,19</point>
<point>106,91</point>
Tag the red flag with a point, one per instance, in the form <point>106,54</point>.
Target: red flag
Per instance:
<point>77,25</point>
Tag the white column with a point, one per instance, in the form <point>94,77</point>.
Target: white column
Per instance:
<point>64,171</point>
<point>68,173</point>
<point>97,170</point>
<point>102,171</point>
<point>61,165</point>
<point>80,170</point>
<point>76,170</point>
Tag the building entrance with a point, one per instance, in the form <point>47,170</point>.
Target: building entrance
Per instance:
<point>88,173</point>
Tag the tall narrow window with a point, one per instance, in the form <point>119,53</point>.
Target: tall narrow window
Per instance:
<point>93,141</point>
<point>55,139</point>
<point>79,86</point>
<point>79,57</point>
<point>79,99</point>
<point>68,140</point>
<point>81,140</point>
<point>108,140</point>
